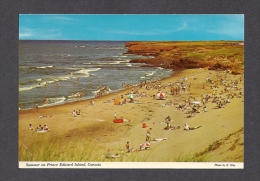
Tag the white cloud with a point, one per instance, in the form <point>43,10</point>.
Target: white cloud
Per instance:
<point>63,18</point>
<point>182,27</point>
<point>26,33</point>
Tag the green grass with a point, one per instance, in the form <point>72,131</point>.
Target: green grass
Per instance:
<point>51,150</point>
<point>190,158</point>
<point>218,54</point>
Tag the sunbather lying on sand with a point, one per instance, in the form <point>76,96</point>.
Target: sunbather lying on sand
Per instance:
<point>187,128</point>
<point>110,155</point>
<point>44,116</point>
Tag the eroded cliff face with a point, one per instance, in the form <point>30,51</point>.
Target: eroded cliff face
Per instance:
<point>173,55</point>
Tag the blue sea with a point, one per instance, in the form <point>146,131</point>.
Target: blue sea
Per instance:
<point>56,71</point>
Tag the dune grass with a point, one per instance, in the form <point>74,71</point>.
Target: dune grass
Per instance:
<point>190,158</point>
<point>44,148</point>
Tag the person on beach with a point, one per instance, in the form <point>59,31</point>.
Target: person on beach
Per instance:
<point>148,134</point>
<point>168,126</point>
<point>74,113</point>
<point>45,127</point>
<point>36,107</point>
<point>78,112</point>
<point>30,127</point>
<point>91,102</point>
<point>109,155</point>
<point>127,147</point>
<point>46,100</point>
<point>115,115</point>
<point>124,101</point>
<point>167,119</point>
<point>186,127</point>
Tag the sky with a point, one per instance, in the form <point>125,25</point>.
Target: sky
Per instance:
<point>131,27</point>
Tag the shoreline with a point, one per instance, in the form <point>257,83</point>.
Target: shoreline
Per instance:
<point>95,126</point>
<point>22,111</point>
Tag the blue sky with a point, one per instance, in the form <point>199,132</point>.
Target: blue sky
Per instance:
<point>135,27</point>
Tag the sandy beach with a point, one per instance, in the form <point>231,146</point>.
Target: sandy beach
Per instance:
<point>88,136</point>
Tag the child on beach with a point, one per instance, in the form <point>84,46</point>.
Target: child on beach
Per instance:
<point>148,134</point>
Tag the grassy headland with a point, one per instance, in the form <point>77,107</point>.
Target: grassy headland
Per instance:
<point>195,54</point>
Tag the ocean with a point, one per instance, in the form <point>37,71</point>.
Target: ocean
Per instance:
<point>56,72</point>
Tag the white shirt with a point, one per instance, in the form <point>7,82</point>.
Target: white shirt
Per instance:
<point>186,127</point>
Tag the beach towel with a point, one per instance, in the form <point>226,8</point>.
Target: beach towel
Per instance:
<point>145,146</point>
<point>42,131</point>
<point>158,140</point>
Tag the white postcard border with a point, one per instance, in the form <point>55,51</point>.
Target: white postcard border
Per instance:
<point>131,165</point>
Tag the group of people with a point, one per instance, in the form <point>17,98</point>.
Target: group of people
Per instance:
<point>39,128</point>
<point>76,113</point>
<point>169,126</point>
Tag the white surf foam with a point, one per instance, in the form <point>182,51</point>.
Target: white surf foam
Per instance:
<point>44,67</point>
<point>54,101</point>
<point>150,73</point>
<point>120,56</point>
<point>85,72</point>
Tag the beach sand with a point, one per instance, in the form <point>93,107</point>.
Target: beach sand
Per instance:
<point>220,137</point>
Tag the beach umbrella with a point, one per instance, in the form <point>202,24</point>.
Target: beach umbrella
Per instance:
<point>195,102</point>
<point>131,96</point>
<point>160,95</point>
